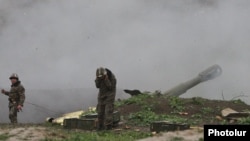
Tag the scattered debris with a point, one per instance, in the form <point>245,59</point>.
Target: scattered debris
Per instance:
<point>137,130</point>
<point>59,120</point>
<point>219,118</point>
<point>127,127</point>
<point>231,114</point>
<point>183,113</point>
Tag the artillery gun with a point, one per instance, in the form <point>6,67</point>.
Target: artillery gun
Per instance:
<point>78,120</point>
<point>208,74</point>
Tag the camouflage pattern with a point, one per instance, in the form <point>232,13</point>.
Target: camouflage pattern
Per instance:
<point>16,97</point>
<point>106,98</point>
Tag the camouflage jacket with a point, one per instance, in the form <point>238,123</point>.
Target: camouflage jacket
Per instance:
<point>107,89</point>
<point>16,93</point>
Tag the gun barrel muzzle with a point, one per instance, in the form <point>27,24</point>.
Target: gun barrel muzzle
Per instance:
<point>210,72</point>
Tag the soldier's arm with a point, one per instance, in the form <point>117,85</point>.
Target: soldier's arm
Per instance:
<point>108,83</point>
<point>21,93</point>
<point>97,83</point>
<point>6,92</point>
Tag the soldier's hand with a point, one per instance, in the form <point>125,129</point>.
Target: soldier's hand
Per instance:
<point>102,77</point>
<point>3,91</point>
<point>19,107</point>
<point>106,77</point>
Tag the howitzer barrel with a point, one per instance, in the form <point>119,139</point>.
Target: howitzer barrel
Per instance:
<point>203,76</point>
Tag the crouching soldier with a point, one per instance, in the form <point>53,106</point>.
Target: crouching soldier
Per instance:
<point>16,97</point>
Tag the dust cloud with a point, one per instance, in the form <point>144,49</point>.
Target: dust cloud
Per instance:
<point>56,46</point>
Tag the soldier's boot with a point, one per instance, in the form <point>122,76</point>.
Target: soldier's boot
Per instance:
<point>109,126</point>
<point>13,123</point>
<point>13,120</point>
<point>100,125</point>
<point>109,116</point>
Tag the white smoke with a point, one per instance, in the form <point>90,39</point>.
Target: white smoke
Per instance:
<point>149,45</point>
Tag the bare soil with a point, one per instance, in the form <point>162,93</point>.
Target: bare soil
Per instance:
<point>29,132</point>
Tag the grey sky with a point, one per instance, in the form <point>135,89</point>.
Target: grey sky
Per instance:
<point>149,45</point>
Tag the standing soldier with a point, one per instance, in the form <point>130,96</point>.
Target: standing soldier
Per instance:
<point>16,97</point>
<point>106,83</point>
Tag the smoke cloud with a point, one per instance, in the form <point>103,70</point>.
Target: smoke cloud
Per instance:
<point>149,45</point>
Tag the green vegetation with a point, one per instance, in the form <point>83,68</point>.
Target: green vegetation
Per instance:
<point>144,118</point>
<point>177,139</point>
<point>201,139</point>
<point>138,100</point>
<point>198,101</point>
<point>206,110</point>
<point>176,104</point>
<point>238,101</point>
<point>147,115</point>
<point>147,110</point>
<point>245,120</point>
<point>4,137</point>
<point>124,135</point>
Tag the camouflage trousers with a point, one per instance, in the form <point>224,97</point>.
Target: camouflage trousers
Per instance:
<point>105,115</point>
<point>13,113</point>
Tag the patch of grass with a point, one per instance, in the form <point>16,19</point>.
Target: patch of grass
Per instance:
<point>206,110</point>
<point>144,118</point>
<point>196,116</point>
<point>125,135</point>
<point>245,120</point>
<point>217,109</point>
<point>177,139</point>
<point>4,137</point>
<point>238,101</point>
<point>195,119</point>
<point>197,101</point>
<point>138,100</point>
<point>194,122</point>
<point>176,103</point>
<point>201,139</point>
<point>224,122</point>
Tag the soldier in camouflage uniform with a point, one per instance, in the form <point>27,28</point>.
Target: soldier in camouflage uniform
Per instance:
<point>16,97</point>
<point>106,83</point>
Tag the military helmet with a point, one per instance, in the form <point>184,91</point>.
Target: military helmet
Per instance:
<point>101,72</point>
<point>14,75</point>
